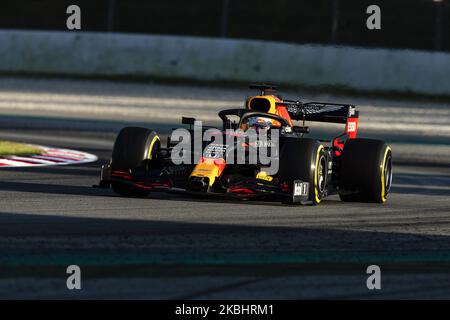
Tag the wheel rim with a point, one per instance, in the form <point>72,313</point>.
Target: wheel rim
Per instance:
<point>388,174</point>
<point>321,175</point>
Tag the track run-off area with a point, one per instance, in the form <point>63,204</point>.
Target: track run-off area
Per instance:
<point>170,246</point>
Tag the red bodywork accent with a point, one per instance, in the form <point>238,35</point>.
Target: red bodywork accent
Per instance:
<point>240,190</point>
<point>351,130</point>
<point>338,145</point>
<point>166,184</point>
<point>219,163</point>
<point>282,111</point>
<point>122,174</point>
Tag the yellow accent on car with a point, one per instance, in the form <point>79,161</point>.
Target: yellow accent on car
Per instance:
<point>207,169</point>
<point>316,173</point>
<point>264,176</point>
<point>272,109</point>
<point>155,138</point>
<point>383,182</point>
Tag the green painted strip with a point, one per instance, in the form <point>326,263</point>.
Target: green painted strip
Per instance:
<point>262,258</point>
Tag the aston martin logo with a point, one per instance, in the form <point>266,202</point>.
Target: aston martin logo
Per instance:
<point>313,108</point>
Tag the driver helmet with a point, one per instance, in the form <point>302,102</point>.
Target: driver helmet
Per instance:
<point>261,123</point>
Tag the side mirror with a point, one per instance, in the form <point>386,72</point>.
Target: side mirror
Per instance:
<point>186,120</point>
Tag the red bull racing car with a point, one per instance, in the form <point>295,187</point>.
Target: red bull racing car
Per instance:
<point>307,171</point>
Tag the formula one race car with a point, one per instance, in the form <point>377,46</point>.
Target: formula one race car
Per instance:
<point>308,170</point>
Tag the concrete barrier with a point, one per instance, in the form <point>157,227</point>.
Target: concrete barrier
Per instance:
<point>100,54</point>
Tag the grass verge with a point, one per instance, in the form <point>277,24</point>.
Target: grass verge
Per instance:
<point>8,148</point>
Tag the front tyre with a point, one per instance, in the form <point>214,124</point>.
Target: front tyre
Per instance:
<point>305,160</point>
<point>134,147</point>
<point>366,171</point>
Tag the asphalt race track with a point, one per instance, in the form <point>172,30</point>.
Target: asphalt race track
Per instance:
<point>169,246</point>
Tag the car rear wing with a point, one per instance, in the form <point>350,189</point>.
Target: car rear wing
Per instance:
<point>320,111</point>
<point>324,112</point>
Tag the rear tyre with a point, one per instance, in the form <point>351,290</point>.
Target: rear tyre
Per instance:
<point>304,159</point>
<point>134,147</point>
<point>366,171</point>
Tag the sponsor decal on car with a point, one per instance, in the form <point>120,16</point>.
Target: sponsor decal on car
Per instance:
<point>351,126</point>
<point>301,188</point>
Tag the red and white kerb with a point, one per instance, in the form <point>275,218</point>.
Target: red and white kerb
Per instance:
<point>50,157</point>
